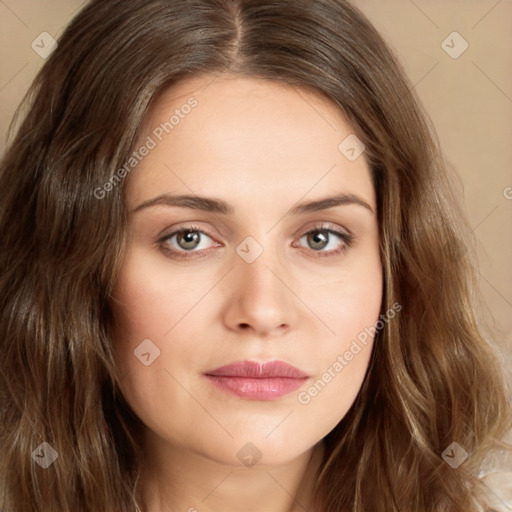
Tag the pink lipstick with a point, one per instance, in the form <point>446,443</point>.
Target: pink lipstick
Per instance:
<point>258,381</point>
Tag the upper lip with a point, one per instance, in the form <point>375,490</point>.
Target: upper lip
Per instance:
<point>258,370</point>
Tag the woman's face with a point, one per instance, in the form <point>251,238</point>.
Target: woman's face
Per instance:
<point>247,283</point>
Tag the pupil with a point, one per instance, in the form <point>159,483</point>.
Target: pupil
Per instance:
<point>320,235</point>
<point>191,237</point>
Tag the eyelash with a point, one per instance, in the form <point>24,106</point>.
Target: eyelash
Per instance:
<point>348,240</point>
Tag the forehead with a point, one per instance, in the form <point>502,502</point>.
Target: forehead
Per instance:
<point>245,137</point>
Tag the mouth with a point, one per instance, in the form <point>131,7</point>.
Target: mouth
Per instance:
<point>253,380</point>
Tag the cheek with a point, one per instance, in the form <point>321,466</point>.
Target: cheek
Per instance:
<point>149,309</point>
<point>149,302</point>
<point>328,398</point>
<point>348,300</point>
<point>351,310</point>
<point>342,365</point>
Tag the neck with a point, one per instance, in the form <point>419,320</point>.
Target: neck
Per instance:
<point>176,479</point>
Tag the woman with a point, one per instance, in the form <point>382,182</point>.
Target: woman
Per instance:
<point>235,275</point>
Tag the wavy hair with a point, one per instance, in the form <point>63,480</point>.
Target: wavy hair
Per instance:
<point>433,378</point>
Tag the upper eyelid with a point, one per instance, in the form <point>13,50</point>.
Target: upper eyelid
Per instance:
<point>323,225</point>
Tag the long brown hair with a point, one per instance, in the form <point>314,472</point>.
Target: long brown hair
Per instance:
<point>433,377</point>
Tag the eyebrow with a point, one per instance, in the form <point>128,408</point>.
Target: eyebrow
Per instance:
<point>220,206</point>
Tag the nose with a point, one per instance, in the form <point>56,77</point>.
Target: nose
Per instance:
<point>260,300</point>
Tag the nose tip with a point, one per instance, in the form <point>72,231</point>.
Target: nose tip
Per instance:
<point>258,299</point>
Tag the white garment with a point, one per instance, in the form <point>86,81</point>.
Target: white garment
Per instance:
<point>496,475</point>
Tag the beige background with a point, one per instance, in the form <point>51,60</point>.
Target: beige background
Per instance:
<point>469,99</point>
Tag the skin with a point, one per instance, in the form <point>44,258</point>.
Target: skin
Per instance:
<point>263,147</point>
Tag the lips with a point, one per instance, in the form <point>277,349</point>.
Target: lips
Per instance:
<point>256,370</point>
<point>252,380</point>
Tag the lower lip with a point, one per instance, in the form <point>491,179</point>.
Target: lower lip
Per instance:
<point>257,389</point>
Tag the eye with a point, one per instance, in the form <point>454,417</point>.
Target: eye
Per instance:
<point>184,240</point>
<point>321,237</point>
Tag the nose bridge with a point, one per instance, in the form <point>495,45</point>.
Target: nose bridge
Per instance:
<point>258,295</point>
<point>256,269</point>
